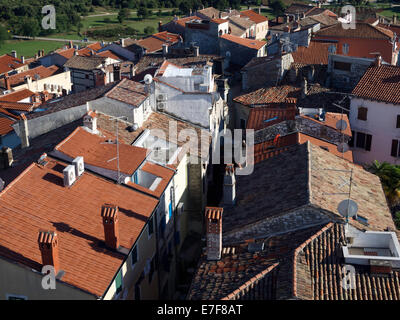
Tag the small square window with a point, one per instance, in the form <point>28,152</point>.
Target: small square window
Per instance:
<point>362,113</point>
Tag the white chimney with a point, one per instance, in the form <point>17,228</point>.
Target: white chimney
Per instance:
<point>79,166</point>
<point>90,121</point>
<point>229,186</point>
<point>14,53</point>
<point>165,49</point>
<point>69,175</point>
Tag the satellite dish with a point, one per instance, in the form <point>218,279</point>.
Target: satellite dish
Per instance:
<point>348,208</point>
<point>343,147</point>
<point>148,79</point>
<point>341,125</point>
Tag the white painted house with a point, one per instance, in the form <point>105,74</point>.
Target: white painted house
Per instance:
<point>375,115</point>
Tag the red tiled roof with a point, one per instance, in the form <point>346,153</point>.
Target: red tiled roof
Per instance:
<point>108,54</point>
<point>218,20</point>
<point>154,42</point>
<point>17,96</point>
<point>5,126</point>
<point>270,148</point>
<point>362,30</point>
<point>253,16</point>
<point>20,106</point>
<point>67,53</point>
<point>331,118</point>
<point>128,91</point>
<point>332,148</point>
<point>380,84</point>
<point>159,171</point>
<point>250,43</point>
<point>182,21</point>
<point>97,152</point>
<point>268,95</point>
<point>95,46</point>
<point>75,214</point>
<point>9,63</point>
<point>257,116</point>
<point>42,71</point>
<point>316,53</point>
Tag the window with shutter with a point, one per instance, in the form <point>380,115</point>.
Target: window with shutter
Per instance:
<point>398,122</point>
<point>368,142</point>
<point>360,141</point>
<point>395,144</point>
<point>118,282</point>
<point>362,113</point>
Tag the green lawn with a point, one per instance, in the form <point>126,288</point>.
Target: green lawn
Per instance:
<point>389,12</point>
<point>28,48</point>
<point>111,21</point>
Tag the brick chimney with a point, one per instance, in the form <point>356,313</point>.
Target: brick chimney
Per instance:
<point>109,213</point>
<point>378,60</point>
<point>213,217</point>
<point>7,83</point>
<point>48,246</point>
<point>229,190</point>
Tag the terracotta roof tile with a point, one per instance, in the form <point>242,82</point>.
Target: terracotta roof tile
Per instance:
<point>210,12</point>
<point>257,18</point>
<point>250,43</point>
<point>74,213</point>
<point>154,42</point>
<point>108,54</point>
<point>128,91</point>
<point>20,106</point>
<point>41,71</point>
<point>85,63</point>
<point>258,116</point>
<point>299,177</point>
<point>17,96</point>
<point>96,151</point>
<point>5,125</point>
<point>362,30</point>
<point>380,84</point>
<point>9,63</point>
<point>318,267</point>
<point>316,53</point>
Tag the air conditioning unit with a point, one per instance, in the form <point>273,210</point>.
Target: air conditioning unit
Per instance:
<point>161,106</point>
<point>162,97</point>
<point>69,175</point>
<point>180,208</point>
<point>79,166</point>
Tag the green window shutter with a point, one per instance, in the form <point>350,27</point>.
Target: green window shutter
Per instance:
<point>118,281</point>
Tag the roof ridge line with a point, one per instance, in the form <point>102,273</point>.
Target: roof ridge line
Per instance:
<point>17,178</point>
<point>67,138</point>
<point>301,247</point>
<point>250,281</point>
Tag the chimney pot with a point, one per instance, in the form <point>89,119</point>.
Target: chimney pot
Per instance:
<point>109,213</point>
<point>48,246</point>
<point>378,60</point>
<point>213,217</point>
<point>14,53</point>
<point>7,82</point>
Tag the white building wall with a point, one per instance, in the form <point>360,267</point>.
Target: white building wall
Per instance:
<point>53,83</point>
<point>381,124</point>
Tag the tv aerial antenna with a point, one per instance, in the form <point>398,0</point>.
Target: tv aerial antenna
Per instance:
<point>347,208</point>
<point>341,125</point>
<point>117,143</point>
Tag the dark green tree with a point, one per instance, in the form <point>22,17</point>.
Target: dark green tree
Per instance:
<point>277,6</point>
<point>123,14</point>
<point>142,12</point>
<point>4,35</point>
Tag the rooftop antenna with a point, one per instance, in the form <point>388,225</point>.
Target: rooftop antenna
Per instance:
<point>347,208</point>
<point>341,125</point>
<point>117,142</point>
